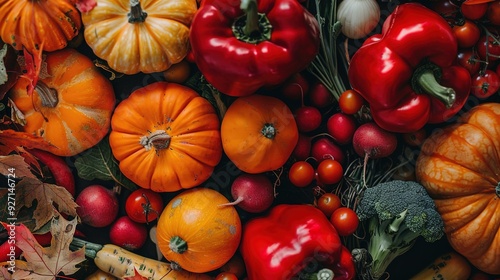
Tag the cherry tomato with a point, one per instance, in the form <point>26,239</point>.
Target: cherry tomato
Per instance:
<point>493,13</point>
<point>473,11</point>
<point>488,45</point>
<point>144,205</point>
<point>469,59</point>
<point>467,34</point>
<point>350,102</point>
<point>178,73</point>
<point>301,174</point>
<point>226,276</point>
<point>328,203</point>
<point>485,84</point>
<point>445,8</point>
<point>345,220</point>
<point>330,171</point>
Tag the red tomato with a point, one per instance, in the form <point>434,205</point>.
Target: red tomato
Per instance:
<point>474,11</point>
<point>226,276</point>
<point>467,34</point>
<point>345,220</point>
<point>328,203</point>
<point>490,47</point>
<point>350,102</point>
<point>330,171</point>
<point>301,174</point>
<point>485,84</point>
<point>445,8</point>
<point>144,205</point>
<point>469,59</point>
<point>493,13</point>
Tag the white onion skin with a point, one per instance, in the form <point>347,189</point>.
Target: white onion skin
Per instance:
<point>358,17</point>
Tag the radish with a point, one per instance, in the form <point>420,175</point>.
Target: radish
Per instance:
<point>324,148</point>
<point>370,140</point>
<point>295,88</point>
<point>341,127</point>
<point>308,118</point>
<point>303,148</point>
<point>62,174</point>
<point>253,193</point>
<point>98,206</point>
<point>320,96</point>
<point>128,234</point>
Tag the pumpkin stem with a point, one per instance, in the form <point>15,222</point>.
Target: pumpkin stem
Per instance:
<point>136,13</point>
<point>47,95</point>
<point>497,189</point>
<point>159,140</point>
<point>269,131</point>
<point>178,245</point>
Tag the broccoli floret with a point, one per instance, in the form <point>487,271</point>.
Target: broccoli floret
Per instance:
<point>397,213</point>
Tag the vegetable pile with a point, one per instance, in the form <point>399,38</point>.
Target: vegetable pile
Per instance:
<point>252,139</point>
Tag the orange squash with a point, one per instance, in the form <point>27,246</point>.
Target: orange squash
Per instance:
<point>196,232</point>
<point>258,133</point>
<point>29,24</point>
<point>460,168</point>
<point>71,108</point>
<point>166,137</point>
<point>139,36</point>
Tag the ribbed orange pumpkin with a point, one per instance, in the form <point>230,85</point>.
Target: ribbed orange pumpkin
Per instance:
<point>196,232</point>
<point>460,168</point>
<point>139,36</point>
<point>71,108</point>
<point>166,137</point>
<point>259,133</point>
<point>30,23</point>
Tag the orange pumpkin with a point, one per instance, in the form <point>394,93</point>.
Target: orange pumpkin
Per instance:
<point>166,137</point>
<point>29,24</point>
<point>139,36</point>
<point>460,168</point>
<point>71,107</point>
<point>258,133</point>
<point>196,232</point>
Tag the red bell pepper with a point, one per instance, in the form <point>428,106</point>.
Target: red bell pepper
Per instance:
<point>406,74</point>
<point>292,240</point>
<point>263,42</point>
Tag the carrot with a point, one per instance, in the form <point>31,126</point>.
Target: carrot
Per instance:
<point>122,263</point>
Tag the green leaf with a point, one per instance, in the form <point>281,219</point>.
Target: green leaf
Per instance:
<point>98,163</point>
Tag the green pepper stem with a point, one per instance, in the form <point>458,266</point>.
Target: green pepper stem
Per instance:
<point>178,245</point>
<point>252,22</point>
<point>428,83</point>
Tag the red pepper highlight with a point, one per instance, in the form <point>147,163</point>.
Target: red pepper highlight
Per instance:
<point>407,72</point>
<point>292,240</point>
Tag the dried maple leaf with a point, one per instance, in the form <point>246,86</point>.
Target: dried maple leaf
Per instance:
<point>14,166</point>
<point>46,195</point>
<point>33,65</point>
<point>11,139</point>
<point>45,263</point>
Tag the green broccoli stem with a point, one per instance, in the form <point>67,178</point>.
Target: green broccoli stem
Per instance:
<point>389,239</point>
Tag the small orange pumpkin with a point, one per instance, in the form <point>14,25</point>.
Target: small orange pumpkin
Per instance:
<point>460,168</point>
<point>166,137</point>
<point>139,36</point>
<point>71,107</point>
<point>258,133</point>
<point>196,232</point>
<point>29,24</point>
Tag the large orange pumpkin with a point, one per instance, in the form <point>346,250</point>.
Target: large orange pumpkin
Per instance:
<point>196,232</point>
<point>71,107</point>
<point>139,36</point>
<point>258,133</point>
<point>166,137</point>
<point>31,23</point>
<point>460,168</point>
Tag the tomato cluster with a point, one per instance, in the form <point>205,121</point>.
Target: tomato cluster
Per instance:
<point>476,25</point>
